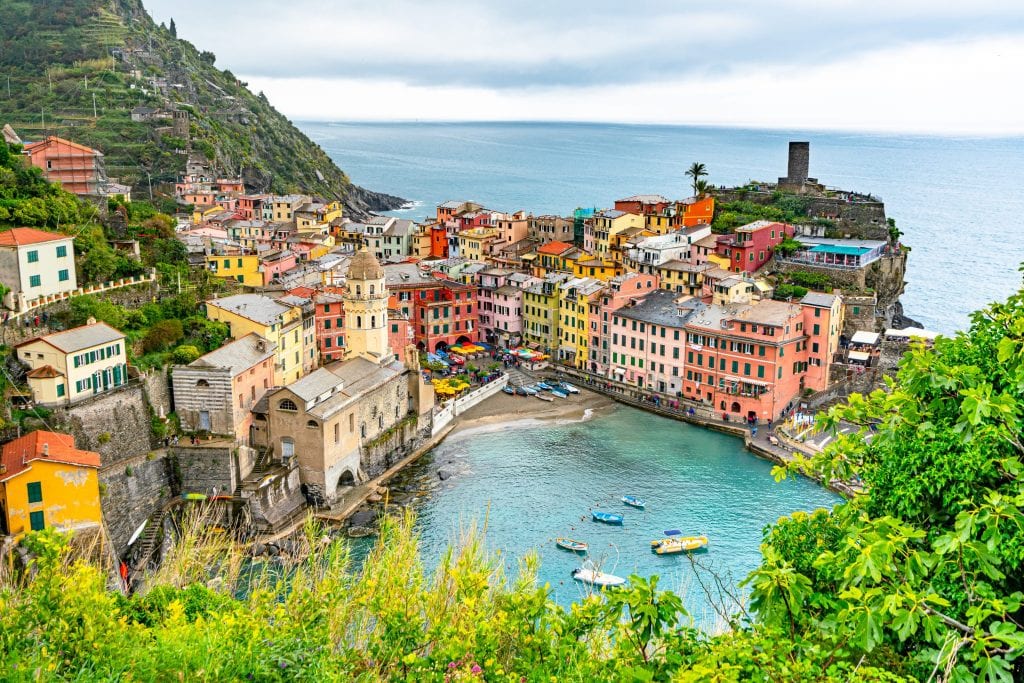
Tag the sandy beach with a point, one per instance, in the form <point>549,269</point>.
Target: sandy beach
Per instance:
<point>502,408</point>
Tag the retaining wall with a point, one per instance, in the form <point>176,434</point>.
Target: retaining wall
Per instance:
<point>443,416</point>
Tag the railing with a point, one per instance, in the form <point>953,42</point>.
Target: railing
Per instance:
<point>27,305</point>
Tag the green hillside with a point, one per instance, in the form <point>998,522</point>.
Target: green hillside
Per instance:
<point>77,68</point>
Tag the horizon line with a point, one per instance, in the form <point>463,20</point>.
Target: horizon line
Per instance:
<point>879,132</point>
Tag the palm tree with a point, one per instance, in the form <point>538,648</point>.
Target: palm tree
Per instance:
<point>701,187</point>
<point>696,171</point>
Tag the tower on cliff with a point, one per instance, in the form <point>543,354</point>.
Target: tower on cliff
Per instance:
<point>797,178</point>
<point>366,309</point>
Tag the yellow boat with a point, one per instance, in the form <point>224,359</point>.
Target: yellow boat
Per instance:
<point>681,544</point>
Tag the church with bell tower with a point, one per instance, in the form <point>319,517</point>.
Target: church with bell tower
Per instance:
<point>366,310</point>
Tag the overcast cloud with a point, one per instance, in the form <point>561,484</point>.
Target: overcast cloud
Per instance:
<point>935,66</point>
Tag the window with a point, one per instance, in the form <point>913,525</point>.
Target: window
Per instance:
<point>36,521</point>
<point>35,492</point>
<point>312,424</point>
<point>62,251</point>
<point>35,281</point>
<point>287,404</point>
<point>856,310</point>
<point>60,390</point>
<point>760,371</point>
<point>327,324</point>
<point>33,256</point>
<point>817,328</point>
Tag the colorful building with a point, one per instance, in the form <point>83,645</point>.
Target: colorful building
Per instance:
<point>621,290</point>
<point>78,169</point>
<point>244,268</point>
<point>216,392</point>
<point>541,312</point>
<point>35,264</point>
<point>643,204</point>
<point>442,312</point>
<point>65,367</point>
<point>752,245</point>
<point>280,323</point>
<point>603,226</point>
<point>45,482</point>
<point>577,301</point>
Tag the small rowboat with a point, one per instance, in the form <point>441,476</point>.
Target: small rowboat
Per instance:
<point>569,544</point>
<point>509,390</point>
<point>685,544</point>
<point>634,501</point>
<point>607,517</point>
<point>545,397</point>
<point>596,578</point>
<point>566,387</point>
<point>559,393</point>
<point>543,386</point>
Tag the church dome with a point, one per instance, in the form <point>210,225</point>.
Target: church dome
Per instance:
<point>365,267</point>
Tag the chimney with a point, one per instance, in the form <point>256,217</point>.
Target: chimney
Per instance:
<point>90,321</point>
<point>46,450</point>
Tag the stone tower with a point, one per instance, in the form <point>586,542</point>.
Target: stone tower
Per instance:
<point>366,309</point>
<point>799,161</point>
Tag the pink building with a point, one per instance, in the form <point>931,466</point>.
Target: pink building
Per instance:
<point>276,262</point>
<point>752,245</point>
<point>400,334</point>
<point>500,296</point>
<point>621,290</point>
<point>648,341</point>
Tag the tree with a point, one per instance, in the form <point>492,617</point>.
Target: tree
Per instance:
<point>701,187</point>
<point>173,29</point>
<point>696,171</point>
<point>162,335</point>
<point>99,265</point>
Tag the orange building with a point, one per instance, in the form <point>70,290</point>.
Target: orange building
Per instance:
<point>76,167</point>
<point>700,211</point>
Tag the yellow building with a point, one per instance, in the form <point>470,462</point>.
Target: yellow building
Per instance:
<point>279,323</point>
<point>541,312</point>
<point>244,268</point>
<point>74,364</point>
<point>477,244</point>
<point>602,269</point>
<point>720,261</point>
<point>607,224</point>
<point>45,482</point>
<point>317,215</point>
<point>576,297</point>
<point>659,224</point>
<point>683,277</point>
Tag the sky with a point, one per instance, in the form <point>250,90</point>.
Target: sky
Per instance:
<point>921,66</point>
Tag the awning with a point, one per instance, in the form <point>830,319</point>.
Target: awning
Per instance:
<point>864,337</point>
<point>619,371</point>
<point>861,356</point>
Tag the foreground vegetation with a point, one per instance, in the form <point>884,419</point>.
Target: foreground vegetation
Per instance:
<point>918,579</point>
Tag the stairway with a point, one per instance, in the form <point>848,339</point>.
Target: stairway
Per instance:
<point>518,378</point>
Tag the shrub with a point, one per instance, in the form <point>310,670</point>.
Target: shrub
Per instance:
<point>185,354</point>
<point>161,335</point>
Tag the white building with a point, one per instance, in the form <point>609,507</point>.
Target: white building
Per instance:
<point>68,366</point>
<point>651,252</point>
<point>34,264</point>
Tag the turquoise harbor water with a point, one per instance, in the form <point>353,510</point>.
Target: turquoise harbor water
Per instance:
<point>958,200</point>
<point>533,482</point>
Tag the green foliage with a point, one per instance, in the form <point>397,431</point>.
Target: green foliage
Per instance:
<point>81,308</point>
<point>816,281</point>
<point>929,562</point>
<point>788,246</point>
<point>185,354</point>
<point>784,292</point>
<point>162,335</point>
<point>782,207</point>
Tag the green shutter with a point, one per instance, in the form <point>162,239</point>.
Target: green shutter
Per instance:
<point>35,492</point>
<point>36,521</point>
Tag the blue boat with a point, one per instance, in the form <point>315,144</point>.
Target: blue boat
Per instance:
<point>543,386</point>
<point>634,501</point>
<point>509,390</point>
<point>607,517</point>
<point>558,393</point>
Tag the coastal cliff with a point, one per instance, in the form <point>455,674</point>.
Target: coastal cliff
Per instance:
<point>103,74</point>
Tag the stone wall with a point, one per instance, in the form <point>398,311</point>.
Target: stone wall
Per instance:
<point>115,424</point>
<point>131,491</point>
<point>389,448</point>
<point>275,499</point>
<point>862,219</point>
<point>859,313</point>
<point>156,384</point>
<point>444,415</point>
<point>201,469</point>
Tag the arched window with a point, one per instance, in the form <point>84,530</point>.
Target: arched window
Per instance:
<point>373,322</point>
<point>287,404</point>
<point>371,290</point>
<point>380,422</point>
<point>359,321</point>
<point>202,383</point>
<point>359,290</point>
<point>312,424</point>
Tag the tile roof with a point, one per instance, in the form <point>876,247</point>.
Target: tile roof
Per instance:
<point>662,307</point>
<point>647,199</point>
<point>255,307</point>
<point>16,237</point>
<point>79,338</point>
<point>819,299</point>
<point>238,355</point>
<point>555,248</point>
<point>19,454</point>
<point>44,372</point>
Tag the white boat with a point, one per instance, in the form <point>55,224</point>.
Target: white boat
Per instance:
<point>596,578</point>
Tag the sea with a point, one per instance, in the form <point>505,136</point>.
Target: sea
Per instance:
<point>526,483</point>
<point>958,200</point>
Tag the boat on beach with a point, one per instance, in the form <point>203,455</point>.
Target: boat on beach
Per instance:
<point>593,577</point>
<point>607,517</point>
<point>570,544</point>
<point>634,501</point>
<point>545,397</point>
<point>544,386</point>
<point>509,390</point>
<point>682,544</point>
<point>568,388</point>
<point>559,394</point>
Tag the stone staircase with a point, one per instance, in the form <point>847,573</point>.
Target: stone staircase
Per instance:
<point>518,377</point>
<point>262,466</point>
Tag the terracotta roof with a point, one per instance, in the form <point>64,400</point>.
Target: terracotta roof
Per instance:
<point>19,454</point>
<point>555,248</point>
<point>33,146</point>
<point>44,372</point>
<point>21,236</point>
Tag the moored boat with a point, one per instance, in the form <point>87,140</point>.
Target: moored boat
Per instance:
<point>559,394</point>
<point>568,388</point>
<point>596,578</point>
<point>634,501</point>
<point>607,517</point>
<point>544,386</point>
<point>683,544</point>
<point>545,397</point>
<point>509,390</point>
<point>570,544</point>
